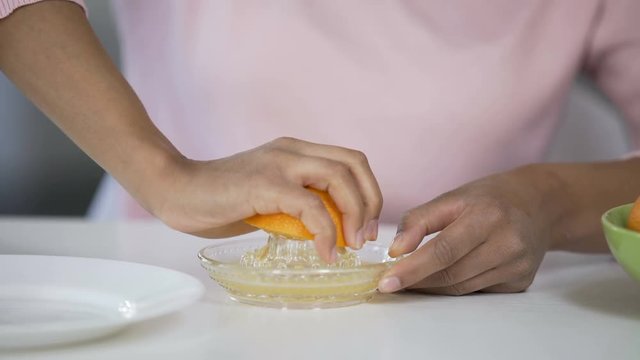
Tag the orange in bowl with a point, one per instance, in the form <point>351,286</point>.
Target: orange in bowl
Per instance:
<point>633,222</point>
<point>293,228</point>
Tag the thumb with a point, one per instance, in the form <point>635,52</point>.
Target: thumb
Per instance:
<point>423,220</point>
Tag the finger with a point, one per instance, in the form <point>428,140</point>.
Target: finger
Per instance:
<point>337,180</point>
<point>444,250</point>
<point>367,183</point>
<point>423,220</point>
<point>511,287</point>
<point>306,206</point>
<point>502,247</point>
<point>476,283</point>
<point>486,256</point>
<point>522,272</point>
<point>359,165</point>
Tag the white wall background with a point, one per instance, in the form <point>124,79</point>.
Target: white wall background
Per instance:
<point>42,172</point>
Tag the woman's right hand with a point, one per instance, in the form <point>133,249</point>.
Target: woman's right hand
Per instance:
<point>211,198</point>
<point>74,82</point>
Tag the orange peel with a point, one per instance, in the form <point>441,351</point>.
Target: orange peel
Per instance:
<point>633,222</point>
<point>291,227</point>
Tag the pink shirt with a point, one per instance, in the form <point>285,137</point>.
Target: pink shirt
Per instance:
<point>436,93</point>
<point>8,6</point>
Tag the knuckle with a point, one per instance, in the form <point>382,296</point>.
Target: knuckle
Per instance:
<point>405,217</point>
<point>458,290</point>
<point>446,277</point>
<point>443,252</point>
<point>274,152</point>
<point>517,287</point>
<point>493,212</point>
<point>376,203</point>
<point>410,217</point>
<point>338,168</point>
<point>518,247</point>
<point>525,266</point>
<point>285,141</point>
<point>339,172</point>
<point>359,157</point>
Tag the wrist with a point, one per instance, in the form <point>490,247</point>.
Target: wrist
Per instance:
<point>152,172</point>
<point>552,201</point>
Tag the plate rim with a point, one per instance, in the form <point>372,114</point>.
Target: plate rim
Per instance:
<point>195,292</point>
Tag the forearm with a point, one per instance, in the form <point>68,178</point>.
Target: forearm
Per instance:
<point>50,52</point>
<point>576,195</point>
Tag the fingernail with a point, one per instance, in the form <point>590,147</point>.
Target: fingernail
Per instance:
<point>397,240</point>
<point>372,229</point>
<point>359,241</point>
<point>389,284</point>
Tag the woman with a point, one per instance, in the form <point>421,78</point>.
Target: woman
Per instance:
<point>436,94</point>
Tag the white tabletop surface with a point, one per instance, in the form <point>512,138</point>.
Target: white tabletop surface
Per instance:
<point>579,307</point>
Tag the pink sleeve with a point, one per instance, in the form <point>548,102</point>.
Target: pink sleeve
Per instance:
<point>8,6</point>
<point>613,60</point>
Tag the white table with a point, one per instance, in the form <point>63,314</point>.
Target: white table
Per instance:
<point>579,307</point>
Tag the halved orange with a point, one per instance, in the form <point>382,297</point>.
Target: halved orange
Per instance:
<point>633,222</point>
<point>289,226</point>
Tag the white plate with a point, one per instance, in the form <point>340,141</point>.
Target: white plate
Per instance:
<point>46,300</point>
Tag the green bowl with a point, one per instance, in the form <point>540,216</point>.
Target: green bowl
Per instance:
<point>624,243</point>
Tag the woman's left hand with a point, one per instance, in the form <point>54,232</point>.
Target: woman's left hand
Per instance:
<point>494,233</point>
